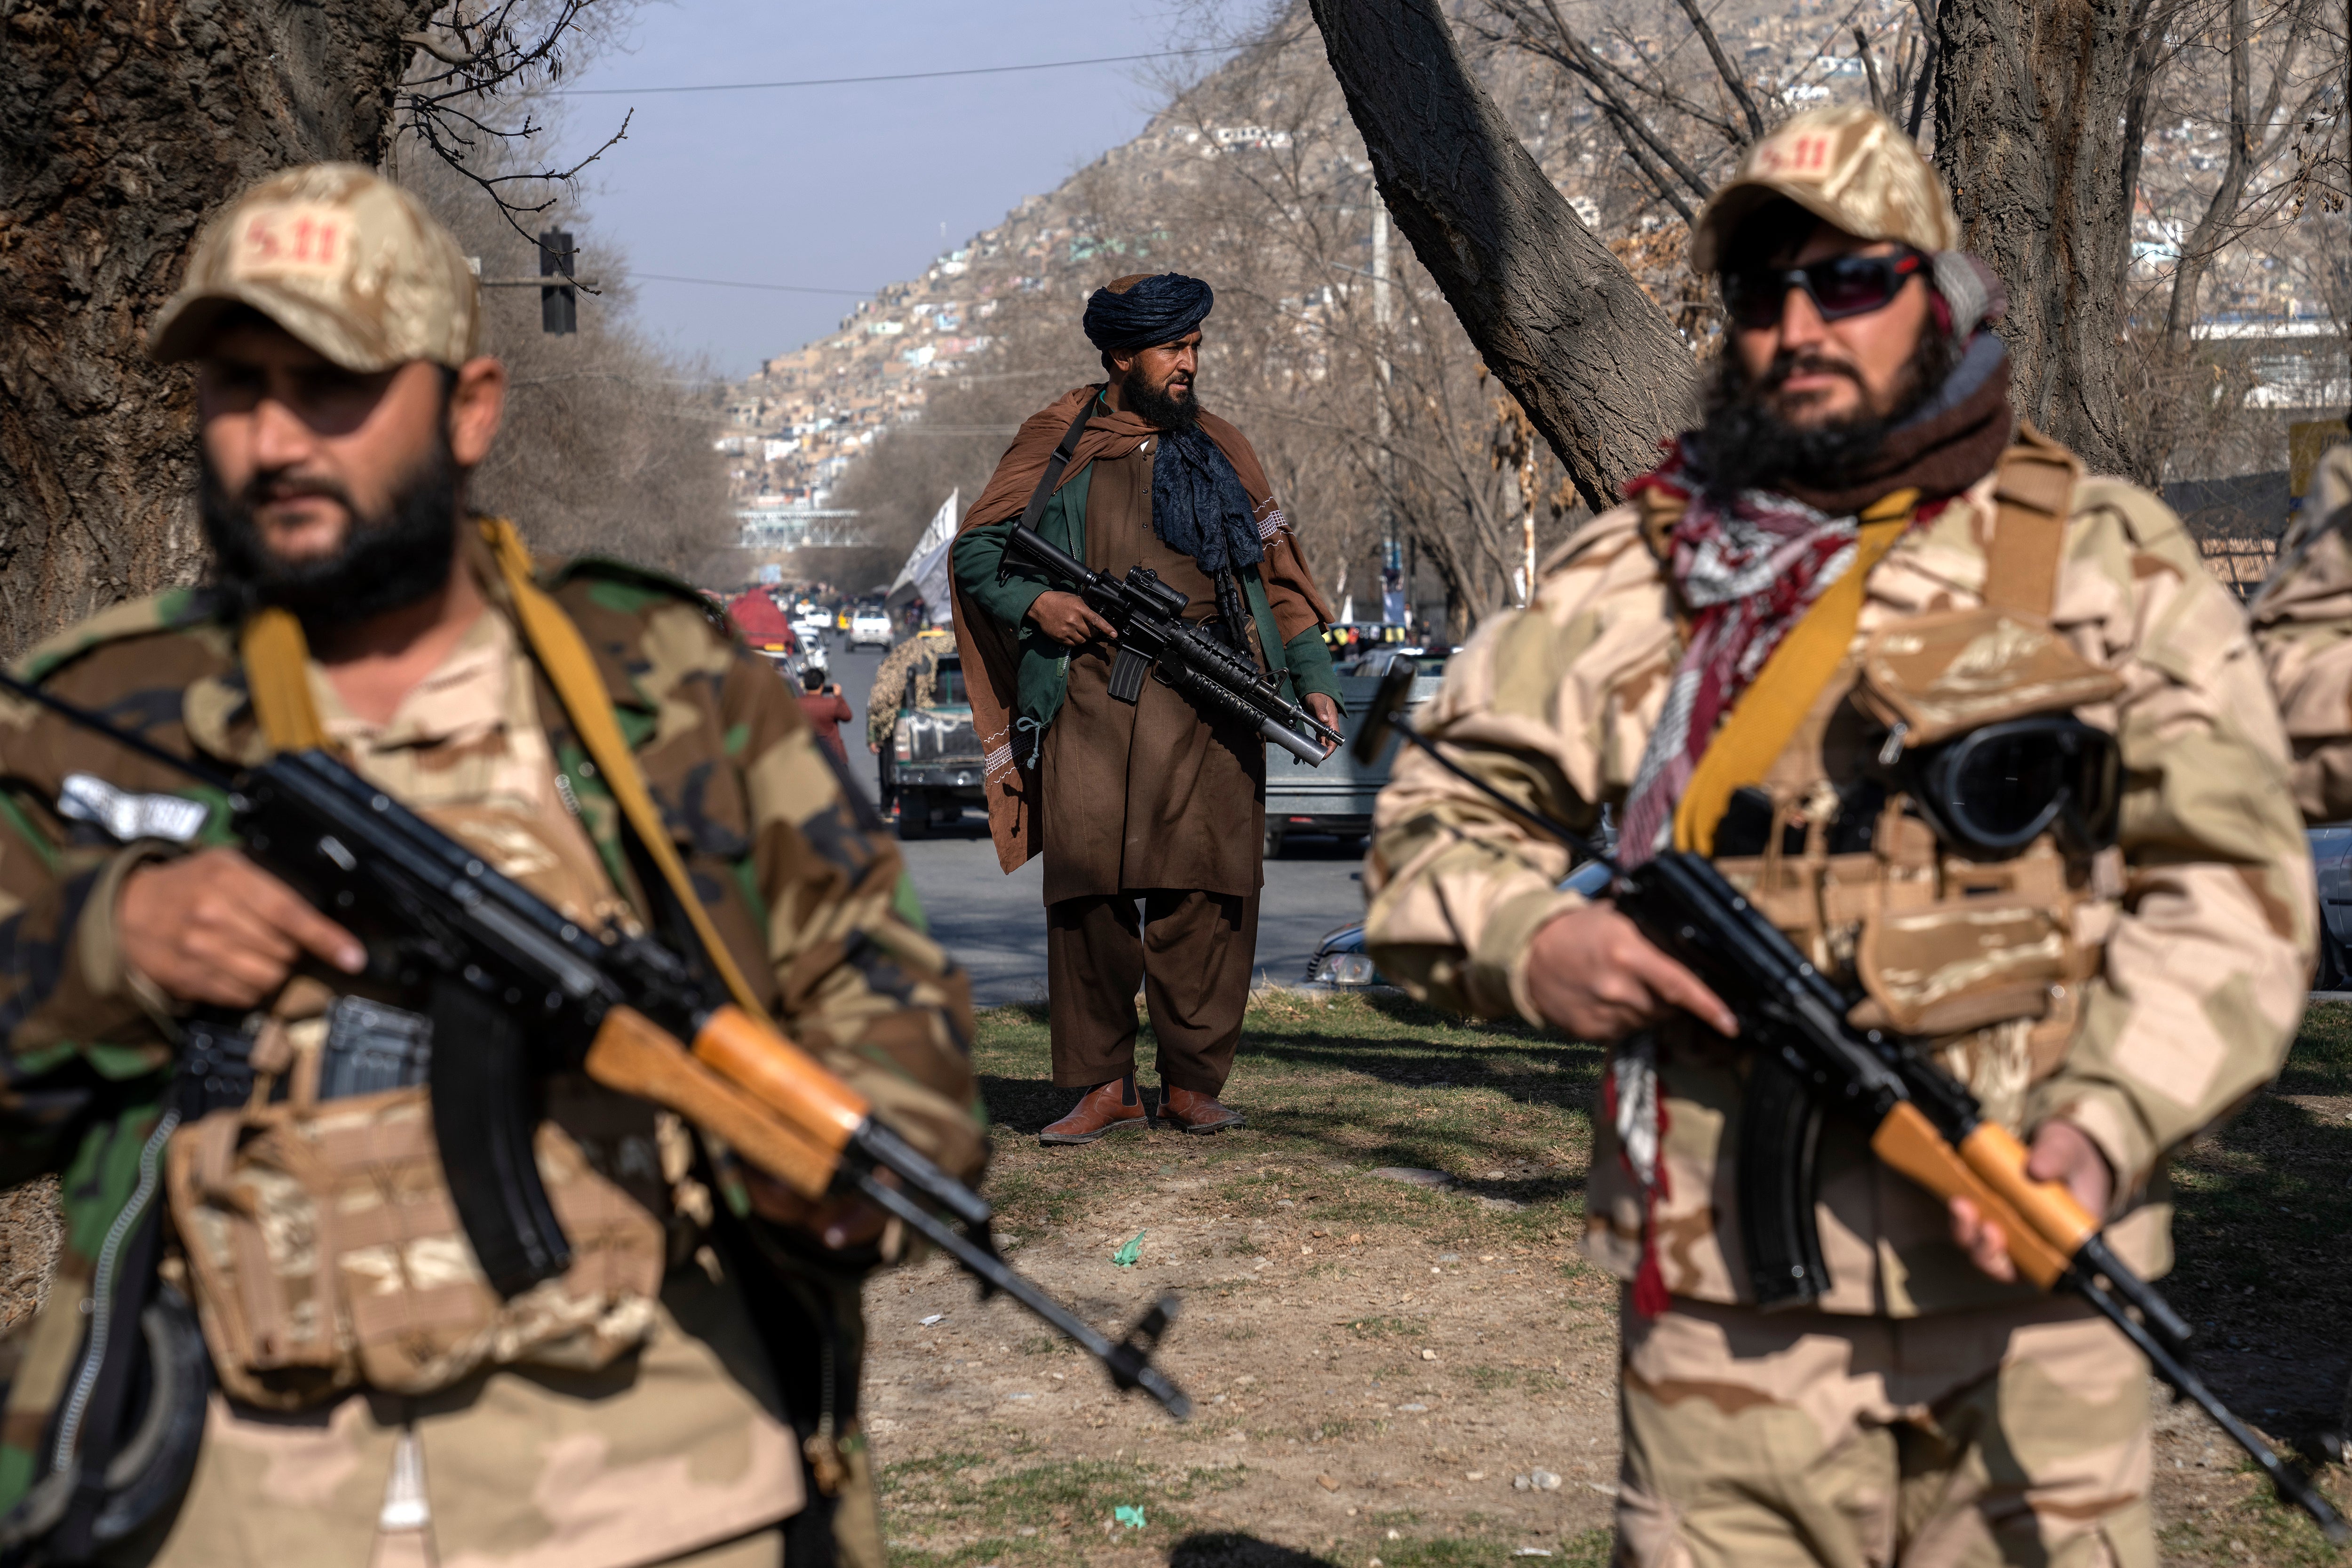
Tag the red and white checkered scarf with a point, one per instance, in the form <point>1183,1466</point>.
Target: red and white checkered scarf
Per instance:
<point>1747,571</point>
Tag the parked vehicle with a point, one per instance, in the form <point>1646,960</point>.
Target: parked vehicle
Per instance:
<point>2331,856</point>
<point>935,767</point>
<point>870,627</point>
<point>1336,796</point>
<point>1340,958</point>
<point>762,625</point>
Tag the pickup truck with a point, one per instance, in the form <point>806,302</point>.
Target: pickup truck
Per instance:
<point>935,755</point>
<point>1337,796</point>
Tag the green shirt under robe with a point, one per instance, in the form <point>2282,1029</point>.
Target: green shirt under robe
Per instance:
<point>1303,665</point>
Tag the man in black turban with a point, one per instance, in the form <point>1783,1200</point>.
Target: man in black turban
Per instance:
<point>1153,804</point>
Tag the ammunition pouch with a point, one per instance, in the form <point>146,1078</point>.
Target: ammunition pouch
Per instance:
<point>325,1251</point>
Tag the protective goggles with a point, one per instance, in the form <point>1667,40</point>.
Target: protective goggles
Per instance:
<point>1993,790</point>
<point>1839,286</point>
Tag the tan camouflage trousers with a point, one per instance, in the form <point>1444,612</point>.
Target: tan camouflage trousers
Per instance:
<point>2017,1435</point>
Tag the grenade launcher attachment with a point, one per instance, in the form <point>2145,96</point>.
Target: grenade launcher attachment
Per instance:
<point>1921,1121</point>
<point>530,991</point>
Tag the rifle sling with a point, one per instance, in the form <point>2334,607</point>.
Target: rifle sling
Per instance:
<point>1767,714</point>
<point>1052,477</point>
<point>571,668</point>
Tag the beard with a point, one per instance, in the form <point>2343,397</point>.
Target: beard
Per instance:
<point>1153,406</point>
<point>1745,444</point>
<point>387,560</point>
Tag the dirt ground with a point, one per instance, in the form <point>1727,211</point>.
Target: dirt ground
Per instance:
<point>1399,1374</point>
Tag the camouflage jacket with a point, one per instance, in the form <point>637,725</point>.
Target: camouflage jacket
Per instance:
<point>809,895</point>
<point>2201,949</point>
<point>2303,623</point>
<point>919,656</point>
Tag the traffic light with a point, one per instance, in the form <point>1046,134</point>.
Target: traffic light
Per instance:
<point>558,306</point>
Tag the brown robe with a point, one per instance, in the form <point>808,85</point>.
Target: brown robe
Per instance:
<point>1154,794</point>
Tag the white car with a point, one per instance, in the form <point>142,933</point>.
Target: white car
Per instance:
<point>811,625</point>
<point>870,626</point>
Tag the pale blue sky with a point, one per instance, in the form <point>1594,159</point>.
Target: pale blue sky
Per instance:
<point>842,187</point>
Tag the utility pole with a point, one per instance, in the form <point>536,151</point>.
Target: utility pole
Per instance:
<point>1394,608</point>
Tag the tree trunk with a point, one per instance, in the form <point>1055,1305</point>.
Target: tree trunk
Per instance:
<point>123,124</point>
<point>2030,99</point>
<point>1591,359</point>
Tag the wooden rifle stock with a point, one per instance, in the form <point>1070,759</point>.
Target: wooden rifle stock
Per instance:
<point>634,1055</point>
<point>1989,1170</point>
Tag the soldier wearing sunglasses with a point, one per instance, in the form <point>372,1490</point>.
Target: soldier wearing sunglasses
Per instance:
<point>1977,730</point>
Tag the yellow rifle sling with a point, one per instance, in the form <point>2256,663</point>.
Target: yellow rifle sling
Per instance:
<point>276,660</point>
<point>1764,719</point>
<point>564,654</point>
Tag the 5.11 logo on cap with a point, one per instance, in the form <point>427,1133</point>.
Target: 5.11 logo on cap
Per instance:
<point>307,239</point>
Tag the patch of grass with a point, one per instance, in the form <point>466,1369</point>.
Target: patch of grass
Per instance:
<point>1380,1328</point>
<point>1334,1089</point>
<point>2262,1202</point>
<point>2258,1529</point>
<point>1535,1380</point>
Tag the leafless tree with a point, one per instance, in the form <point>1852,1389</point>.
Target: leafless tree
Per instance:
<point>122,127</point>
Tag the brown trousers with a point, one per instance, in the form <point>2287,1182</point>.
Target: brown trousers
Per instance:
<point>1193,953</point>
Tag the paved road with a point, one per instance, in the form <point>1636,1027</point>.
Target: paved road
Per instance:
<point>995,924</point>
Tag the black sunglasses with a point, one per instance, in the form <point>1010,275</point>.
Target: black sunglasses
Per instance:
<point>1995,790</point>
<point>1839,286</point>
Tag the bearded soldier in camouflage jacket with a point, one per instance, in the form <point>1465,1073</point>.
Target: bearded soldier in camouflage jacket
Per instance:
<point>686,1391</point>
<point>1859,573</point>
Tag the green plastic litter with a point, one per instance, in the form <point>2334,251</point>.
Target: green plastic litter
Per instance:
<point>1131,1517</point>
<point>1125,1258</point>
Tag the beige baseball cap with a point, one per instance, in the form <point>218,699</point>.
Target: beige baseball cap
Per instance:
<point>340,257</point>
<point>1850,166</point>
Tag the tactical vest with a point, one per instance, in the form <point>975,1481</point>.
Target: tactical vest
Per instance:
<point>1983,960</point>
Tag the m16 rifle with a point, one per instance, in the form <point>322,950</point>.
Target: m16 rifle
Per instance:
<point>1153,636</point>
<point>528,989</point>
<point>1921,1121</point>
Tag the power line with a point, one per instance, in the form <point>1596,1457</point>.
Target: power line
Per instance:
<point>902,76</point>
<point>730,283</point>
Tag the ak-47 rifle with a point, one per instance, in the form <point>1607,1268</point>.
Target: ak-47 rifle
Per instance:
<point>517,989</point>
<point>1921,1121</point>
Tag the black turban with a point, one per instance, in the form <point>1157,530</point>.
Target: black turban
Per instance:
<point>1158,310</point>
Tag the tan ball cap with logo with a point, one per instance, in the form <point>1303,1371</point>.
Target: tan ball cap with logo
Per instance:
<point>1850,166</point>
<point>340,257</point>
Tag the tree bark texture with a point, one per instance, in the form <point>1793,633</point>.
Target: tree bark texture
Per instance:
<point>123,124</point>
<point>1592,360</point>
<point>2030,96</point>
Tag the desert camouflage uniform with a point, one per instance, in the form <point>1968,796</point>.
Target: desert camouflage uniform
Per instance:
<point>1922,1402</point>
<point>2303,623</point>
<point>691,1443</point>
<point>918,656</point>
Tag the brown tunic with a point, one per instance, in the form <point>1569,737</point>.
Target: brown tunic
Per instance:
<point>1153,795</point>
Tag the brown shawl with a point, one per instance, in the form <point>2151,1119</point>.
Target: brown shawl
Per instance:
<point>990,651</point>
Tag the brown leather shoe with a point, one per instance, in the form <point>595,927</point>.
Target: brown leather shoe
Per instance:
<point>1190,1110</point>
<point>1107,1108</point>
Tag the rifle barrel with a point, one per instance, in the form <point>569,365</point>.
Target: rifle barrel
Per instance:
<point>1130,1367</point>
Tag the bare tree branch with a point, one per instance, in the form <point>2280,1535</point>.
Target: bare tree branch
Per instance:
<point>1869,67</point>
<point>1723,67</point>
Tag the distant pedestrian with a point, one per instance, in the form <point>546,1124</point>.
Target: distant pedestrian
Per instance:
<point>826,709</point>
